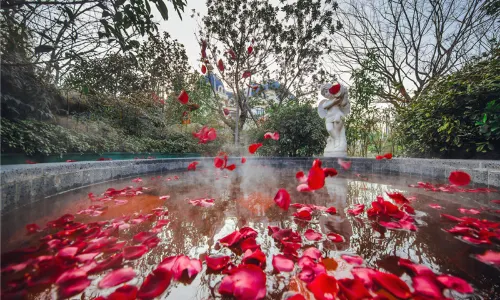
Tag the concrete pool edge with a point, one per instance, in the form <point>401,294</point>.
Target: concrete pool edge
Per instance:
<point>23,184</point>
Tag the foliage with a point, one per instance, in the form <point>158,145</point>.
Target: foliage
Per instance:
<point>288,40</point>
<point>35,137</point>
<point>458,116</point>
<point>302,132</point>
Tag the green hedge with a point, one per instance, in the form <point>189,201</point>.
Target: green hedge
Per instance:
<point>34,137</point>
<point>458,116</point>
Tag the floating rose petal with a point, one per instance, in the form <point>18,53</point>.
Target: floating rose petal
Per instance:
<point>392,284</point>
<point>203,69</point>
<point>415,268</point>
<point>495,201</point>
<point>256,257</point>
<point>296,297</point>
<point>246,74</point>
<point>455,283</point>
<point>126,292</point>
<point>427,286</point>
<point>142,236</point>
<point>316,176</point>
<point>183,97</point>
<point>451,218</point>
<point>72,282</point>
<point>178,264</point>
<point>218,162</point>
<point>352,259</point>
<point>250,50</point>
<point>469,211</point>
<point>117,277</point>
<point>253,147</point>
<point>365,275</point>
<point>110,262</point>
<point>231,53</point>
<point>67,253</point>
<point>331,210</point>
<point>303,188</point>
<point>217,263</point>
<point>282,199</point>
<point>435,206</point>
<point>358,208</point>
<point>32,228</point>
<point>192,166</point>
<point>398,198</point>
<point>272,135</point>
<point>225,111</point>
<point>155,284</point>
<point>312,235</point>
<point>353,289</point>
<point>312,252</point>
<point>379,157</point>
<point>388,155</point>
<point>459,178</point>
<point>346,165</point>
<point>83,258</point>
<point>134,252</point>
<point>324,287</point>
<point>249,243</point>
<point>490,257</point>
<point>244,282</point>
<point>243,160</point>
<point>282,263</point>
<point>334,237</point>
<point>120,202</point>
<point>231,239</point>
<point>303,214</point>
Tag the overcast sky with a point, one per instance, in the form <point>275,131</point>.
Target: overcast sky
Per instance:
<point>184,30</point>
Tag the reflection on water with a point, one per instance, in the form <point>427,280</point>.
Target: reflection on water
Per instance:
<point>245,198</point>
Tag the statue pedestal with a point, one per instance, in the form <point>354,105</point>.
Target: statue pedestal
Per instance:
<point>331,150</point>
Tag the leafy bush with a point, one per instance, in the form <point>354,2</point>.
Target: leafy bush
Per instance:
<point>302,132</point>
<point>34,137</point>
<point>458,116</point>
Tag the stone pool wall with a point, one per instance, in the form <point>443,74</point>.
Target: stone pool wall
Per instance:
<point>23,184</point>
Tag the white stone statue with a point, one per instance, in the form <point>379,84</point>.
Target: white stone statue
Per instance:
<point>333,106</point>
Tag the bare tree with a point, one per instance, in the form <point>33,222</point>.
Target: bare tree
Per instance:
<point>410,43</point>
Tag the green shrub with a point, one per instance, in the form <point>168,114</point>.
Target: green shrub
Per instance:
<point>302,132</point>
<point>458,116</point>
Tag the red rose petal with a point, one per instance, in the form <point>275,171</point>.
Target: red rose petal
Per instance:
<point>203,69</point>
<point>415,268</point>
<point>126,292</point>
<point>303,214</point>
<point>253,147</point>
<point>330,172</point>
<point>352,259</point>
<point>471,211</point>
<point>296,297</point>
<point>117,277</point>
<point>303,188</point>
<point>231,239</point>
<point>220,65</point>
<point>217,263</point>
<point>134,252</point>
<point>246,74</point>
<point>312,235</point>
<point>143,236</point>
<point>243,160</point>
<point>316,176</point>
<point>435,206</point>
<point>398,198</point>
<point>72,282</point>
<point>334,89</point>
<point>358,208</point>
<point>331,210</point>
<point>178,264</point>
<point>282,263</point>
<point>353,289</point>
<point>183,97</point>
<point>155,284</point>
<point>192,166</point>
<point>218,162</point>
<point>249,243</point>
<point>346,165</point>
<point>455,283</point>
<point>334,237</point>
<point>388,155</point>
<point>256,257</point>
<point>32,228</point>
<point>392,284</point>
<point>244,282</point>
<point>459,178</point>
<point>324,287</point>
<point>312,252</point>
<point>110,262</point>
<point>250,50</point>
<point>282,199</point>
<point>490,257</point>
<point>426,286</point>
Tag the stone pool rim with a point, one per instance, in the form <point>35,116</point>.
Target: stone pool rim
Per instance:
<point>24,184</point>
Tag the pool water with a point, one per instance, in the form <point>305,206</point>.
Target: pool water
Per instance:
<point>244,198</point>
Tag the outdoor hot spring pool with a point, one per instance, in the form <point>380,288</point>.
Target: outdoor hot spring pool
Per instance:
<point>146,239</point>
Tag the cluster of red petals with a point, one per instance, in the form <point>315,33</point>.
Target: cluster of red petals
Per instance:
<point>254,147</point>
<point>390,215</point>
<point>473,230</point>
<point>220,162</point>
<point>244,282</point>
<point>272,135</point>
<point>205,135</point>
<point>315,179</point>
<point>356,210</point>
<point>180,265</point>
<point>203,202</point>
<point>386,156</point>
<point>239,238</point>
<point>449,188</point>
<point>192,166</point>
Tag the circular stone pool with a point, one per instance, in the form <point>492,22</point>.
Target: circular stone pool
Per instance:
<point>203,233</point>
